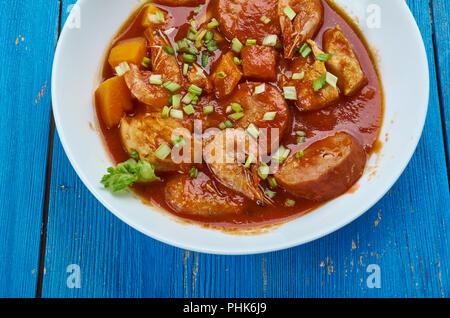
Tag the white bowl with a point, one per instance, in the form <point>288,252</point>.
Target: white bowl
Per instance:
<point>78,60</point>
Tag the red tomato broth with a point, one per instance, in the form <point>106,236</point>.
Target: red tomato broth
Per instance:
<point>359,115</point>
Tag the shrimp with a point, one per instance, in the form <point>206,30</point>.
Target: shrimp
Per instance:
<point>146,133</point>
<point>305,24</point>
<point>226,154</point>
<point>202,197</point>
<point>164,64</point>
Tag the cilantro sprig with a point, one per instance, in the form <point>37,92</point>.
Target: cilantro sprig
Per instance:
<point>127,173</point>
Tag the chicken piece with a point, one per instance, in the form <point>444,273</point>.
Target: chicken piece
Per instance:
<point>308,99</point>
<point>328,168</point>
<point>154,96</point>
<point>146,133</point>
<point>343,62</point>
<point>180,3</point>
<point>241,19</point>
<point>198,76</point>
<point>259,63</point>
<point>255,106</point>
<point>201,197</point>
<point>307,21</point>
<point>226,76</point>
<point>226,153</point>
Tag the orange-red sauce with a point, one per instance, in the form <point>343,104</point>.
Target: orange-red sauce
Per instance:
<point>359,115</point>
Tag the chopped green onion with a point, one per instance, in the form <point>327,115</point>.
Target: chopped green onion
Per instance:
<point>320,83</point>
<point>171,86</point>
<point>146,62</point>
<point>155,79</point>
<point>270,194</point>
<point>191,50</point>
<point>134,155</point>
<point>193,173</point>
<point>300,140</point>
<point>199,38</point>
<point>323,57</point>
<point>189,109</point>
<point>269,116</point>
<point>198,9</point>
<point>169,49</point>
<point>179,142</point>
<point>289,12</point>
<point>265,19</point>
<point>221,74</point>
<point>305,50</point>
<point>331,79</point>
<point>263,171</point>
<point>185,69</point>
<point>163,151</point>
<point>229,109</point>
<point>253,131</point>
<point>298,76</point>
<point>270,40</point>
<point>299,154</point>
<point>122,68</point>
<point>250,42</point>
<point>214,23</point>
<point>194,89</point>
<point>229,124</point>
<point>187,99</point>
<point>205,59</point>
<point>237,107</point>
<point>281,154</point>
<point>300,133</point>
<point>212,46</point>
<point>176,101</point>
<point>222,126</point>
<point>289,203</point>
<point>182,45</point>
<point>191,35</point>
<point>260,89</point>
<point>209,36</point>
<point>165,112</point>
<point>237,61</point>
<point>193,23</point>
<point>209,109</point>
<point>236,45</point>
<point>249,161</point>
<point>272,182</point>
<point>194,99</point>
<point>236,116</point>
<point>189,58</point>
<point>290,92</point>
<point>176,113</point>
<point>160,16</point>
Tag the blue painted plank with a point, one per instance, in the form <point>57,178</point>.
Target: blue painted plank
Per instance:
<point>441,27</point>
<point>404,234</point>
<point>27,35</point>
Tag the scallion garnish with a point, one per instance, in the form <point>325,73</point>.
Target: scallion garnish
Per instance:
<point>331,79</point>
<point>237,61</point>
<point>253,131</point>
<point>272,182</point>
<point>260,89</point>
<point>323,57</point>
<point>178,142</point>
<point>214,23</point>
<point>122,68</point>
<point>320,83</point>
<point>249,161</point>
<point>289,12</point>
<point>229,124</point>
<point>169,49</point>
<point>269,116</point>
<point>171,86</point>
<point>176,113</point>
<point>212,46</point>
<point>221,74</point>
<point>163,151</point>
<point>189,109</point>
<point>263,171</point>
<point>305,50</point>
<point>289,203</point>
<point>290,92</point>
<point>270,194</point>
<point>176,101</point>
<point>250,42</point>
<point>237,107</point>
<point>209,36</point>
<point>185,69</point>
<point>236,45</point>
<point>165,112</point>
<point>299,154</point>
<point>146,62</point>
<point>265,19</point>
<point>236,116</point>
<point>270,40</point>
<point>209,109</point>
<point>205,59</point>
<point>281,154</point>
<point>298,76</point>
<point>193,173</point>
<point>155,79</point>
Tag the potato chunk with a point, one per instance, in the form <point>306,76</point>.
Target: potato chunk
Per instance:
<point>308,99</point>
<point>113,98</point>
<point>343,63</point>
<point>226,76</point>
<point>259,63</point>
<point>201,197</point>
<point>328,168</point>
<point>131,51</point>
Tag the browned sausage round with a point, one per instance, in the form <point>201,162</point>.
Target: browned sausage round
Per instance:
<point>328,168</point>
<point>201,197</point>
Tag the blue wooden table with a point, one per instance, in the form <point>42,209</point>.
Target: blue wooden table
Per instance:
<point>49,220</point>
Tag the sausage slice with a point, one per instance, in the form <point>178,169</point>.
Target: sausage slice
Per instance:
<point>328,168</point>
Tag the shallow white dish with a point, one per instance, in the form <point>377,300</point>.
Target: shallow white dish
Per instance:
<point>80,55</point>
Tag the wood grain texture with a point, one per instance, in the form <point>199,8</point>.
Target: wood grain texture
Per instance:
<point>405,234</point>
<point>28,34</point>
<point>440,13</point>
